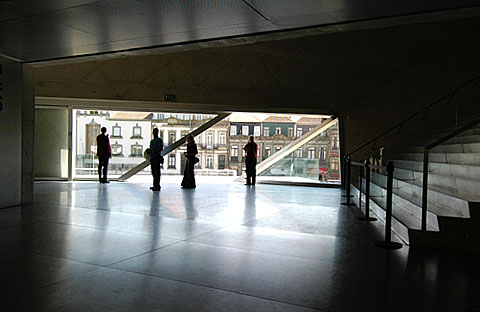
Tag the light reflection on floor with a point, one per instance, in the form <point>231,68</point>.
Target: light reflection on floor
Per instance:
<point>224,246</point>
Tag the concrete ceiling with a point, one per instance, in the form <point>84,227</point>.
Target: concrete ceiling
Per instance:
<point>409,64</point>
<point>372,76</point>
<point>40,30</point>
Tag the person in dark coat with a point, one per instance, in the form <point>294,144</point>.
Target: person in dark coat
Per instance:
<point>156,148</point>
<point>251,160</point>
<point>104,153</point>
<point>188,174</point>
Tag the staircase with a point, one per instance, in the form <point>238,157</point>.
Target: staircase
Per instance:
<point>453,219</point>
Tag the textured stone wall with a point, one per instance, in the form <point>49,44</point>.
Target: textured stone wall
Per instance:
<point>372,77</point>
<point>11,136</point>
<point>16,135</point>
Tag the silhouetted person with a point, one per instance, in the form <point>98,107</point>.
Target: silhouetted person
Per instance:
<point>156,159</point>
<point>104,153</point>
<point>188,174</point>
<point>251,160</point>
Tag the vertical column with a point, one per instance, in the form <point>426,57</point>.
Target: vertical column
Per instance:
<point>71,164</point>
<point>11,134</point>
<point>28,127</point>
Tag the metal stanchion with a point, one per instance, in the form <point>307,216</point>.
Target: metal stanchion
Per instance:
<point>425,189</point>
<point>367,193</point>
<point>360,182</point>
<point>388,244</point>
<point>344,186</point>
<point>348,173</point>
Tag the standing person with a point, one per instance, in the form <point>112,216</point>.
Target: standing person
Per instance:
<point>104,152</point>
<point>188,174</point>
<point>251,160</point>
<point>156,159</point>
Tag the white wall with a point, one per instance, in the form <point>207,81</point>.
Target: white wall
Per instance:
<point>51,143</point>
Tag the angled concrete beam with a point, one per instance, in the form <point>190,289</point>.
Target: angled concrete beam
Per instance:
<point>284,152</point>
<point>174,145</point>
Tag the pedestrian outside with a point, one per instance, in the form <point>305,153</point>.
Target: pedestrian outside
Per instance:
<point>104,153</point>
<point>251,160</point>
<point>188,174</point>
<point>156,159</point>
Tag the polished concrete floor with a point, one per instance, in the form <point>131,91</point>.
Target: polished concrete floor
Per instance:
<point>224,246</point>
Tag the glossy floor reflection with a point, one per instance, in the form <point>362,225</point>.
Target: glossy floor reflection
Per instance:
<point>224,246</point>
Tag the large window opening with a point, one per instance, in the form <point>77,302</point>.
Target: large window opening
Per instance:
<point>220,145</point>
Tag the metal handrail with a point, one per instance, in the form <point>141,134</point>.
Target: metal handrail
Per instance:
<point>423,110</point>
<point>426,163</point>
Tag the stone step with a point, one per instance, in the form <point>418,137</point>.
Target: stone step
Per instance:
<point>467,189</point>
<point>406,211</point>
<point>452,148</point>
<point>455,234</point>
<point>398,227</point>
<point>454,225</point>
<point>475,138</point>
<point>440,202</point>
<point>452,170</point>
<point>473,131</point>
<point>471,159</point>
<point>472,138</point>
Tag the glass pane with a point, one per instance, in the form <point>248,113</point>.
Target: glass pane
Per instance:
<point>130,134</point>
<point>317,160</point>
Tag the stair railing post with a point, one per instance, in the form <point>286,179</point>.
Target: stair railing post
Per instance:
<point>388,244</point>
<point>348,173</point>
<point>367,189</point>
<point>368,174</point>
<point>426,153</point>
<point>360,184</point>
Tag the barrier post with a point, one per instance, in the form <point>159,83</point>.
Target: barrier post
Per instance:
<point>368,174</point>
<point>387,243</point>
<point>360,182</point>
<point>348,162</point>
<point>425,189</point>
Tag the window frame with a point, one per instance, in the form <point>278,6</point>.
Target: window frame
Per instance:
<point>209,161</point>
<point>299,132</point>
<point>232,149</point>
<point>170,158</point>
<point>311,155</point>
<point>210,139</point>
<point>133,132</point>
<point>170,133</point>
<point>119,131</point>
<point>115,146</point>
<point>290,132</point>
<point>268,151</point>
<point>233,130</point>
<point>132,148</point>
<point>256,131</point>
<point>222,138</point>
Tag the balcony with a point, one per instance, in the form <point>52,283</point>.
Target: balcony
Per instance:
<point>212,146</point>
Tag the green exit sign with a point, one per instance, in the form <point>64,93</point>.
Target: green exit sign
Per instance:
<point>169,97</point>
